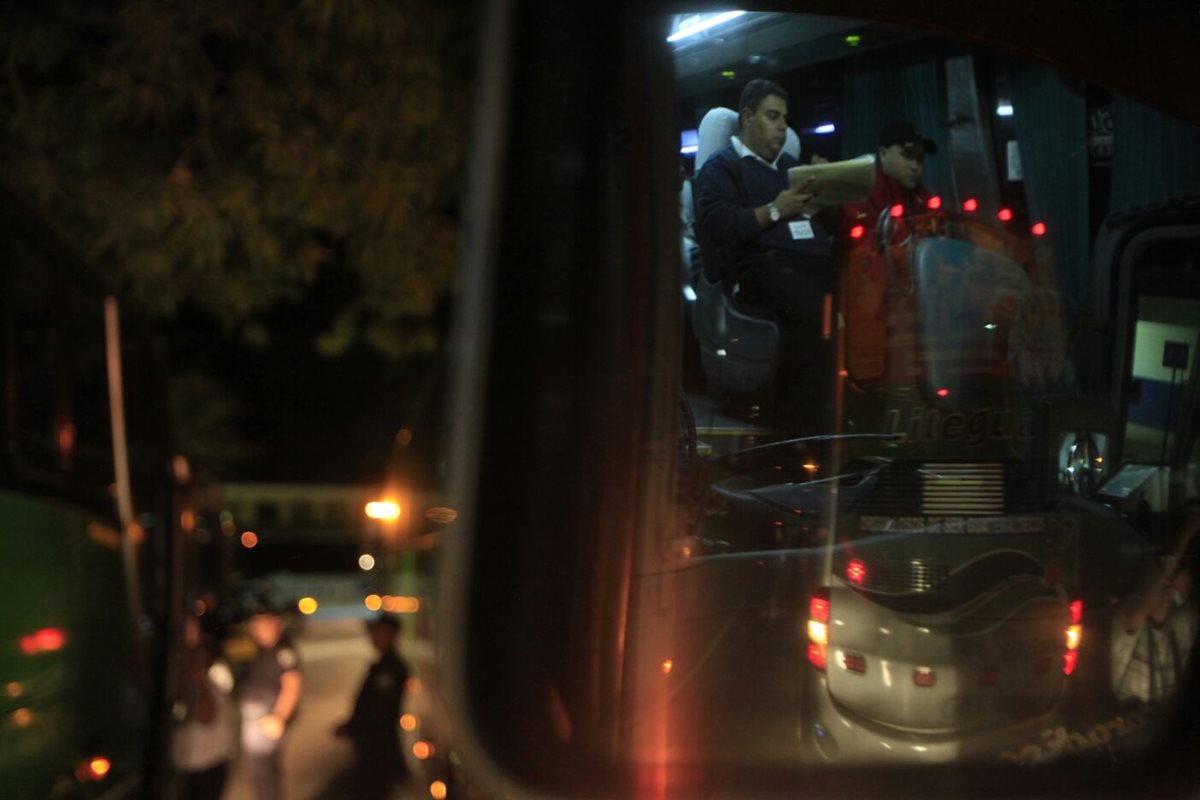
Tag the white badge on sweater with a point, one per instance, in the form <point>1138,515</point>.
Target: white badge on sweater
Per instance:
<point>801,229</point>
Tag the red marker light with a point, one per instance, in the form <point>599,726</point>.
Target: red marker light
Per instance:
<point>942,392</point>
<point>854,663</point>
<point>1076,611</point>
<point>971,204</point>
<point>934,203</point>
<point>1004,214</point>
<point>856,571</point>
<point>1038,229</point>
<point>924,677</point>
<point>897,211</point>
<point>1070,660</point>
<point>857,232</point>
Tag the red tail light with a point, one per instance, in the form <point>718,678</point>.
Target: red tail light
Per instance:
<point>818,609</point>
<point>93,769</point>
<point>934,203</point>
<point>818,628</point>
<point>857,232</point>
<point>970,204</point>
<point>897,210</point>
<point>856,571</point>
<point>816,655</point>
<point>1074,634</point>
<point>1005,215</point>
<point>47,640</point>
<point>1038,229</point>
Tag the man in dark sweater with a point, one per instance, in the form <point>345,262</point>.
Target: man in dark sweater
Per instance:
<point>766,251</point>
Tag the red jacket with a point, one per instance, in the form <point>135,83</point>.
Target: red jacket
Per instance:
<point>886,193</point>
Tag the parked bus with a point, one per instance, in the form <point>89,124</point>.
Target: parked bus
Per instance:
<point>86,559</point>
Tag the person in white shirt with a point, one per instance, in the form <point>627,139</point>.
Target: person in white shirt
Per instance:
<point>1155,628</point>
<point>205,739</point>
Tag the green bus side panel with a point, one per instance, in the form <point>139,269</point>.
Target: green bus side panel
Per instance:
<point>70,689</point>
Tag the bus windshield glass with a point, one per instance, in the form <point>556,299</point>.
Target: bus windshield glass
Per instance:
<point>984,322</point>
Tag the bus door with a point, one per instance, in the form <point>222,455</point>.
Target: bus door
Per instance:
<point>1157,334</point>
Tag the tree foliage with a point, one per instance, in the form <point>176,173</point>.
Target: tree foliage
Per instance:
<point>222,154</point>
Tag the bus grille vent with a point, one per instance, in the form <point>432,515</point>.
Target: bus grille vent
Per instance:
<point>917,575</point>
<point>962,489</point>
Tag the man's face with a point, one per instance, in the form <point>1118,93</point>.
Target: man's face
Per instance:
<point>383,638</point>
<point>265,630</point>
<point>903,163</point>
<point>765,131</point>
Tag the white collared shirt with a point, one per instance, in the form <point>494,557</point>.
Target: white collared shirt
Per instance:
<point>744,151</point>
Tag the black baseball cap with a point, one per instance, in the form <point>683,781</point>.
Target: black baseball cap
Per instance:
<point>906,134</point>
<point>257,598</point>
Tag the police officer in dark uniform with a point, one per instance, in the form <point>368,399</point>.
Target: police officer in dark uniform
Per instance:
<point>372,726</point>
<point>270,694</point>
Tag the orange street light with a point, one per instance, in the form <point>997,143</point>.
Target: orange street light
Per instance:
<point>383,509</point>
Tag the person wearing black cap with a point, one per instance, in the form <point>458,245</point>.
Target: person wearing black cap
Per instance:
<point>269,696</point>
<point>372,726</point>
<point>899,165</point>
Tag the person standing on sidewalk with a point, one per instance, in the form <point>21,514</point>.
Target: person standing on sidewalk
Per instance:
<point>372,726</point>
<point>270,695</point>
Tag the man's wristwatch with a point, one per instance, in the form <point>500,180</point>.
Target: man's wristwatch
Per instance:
<point>773,211</point>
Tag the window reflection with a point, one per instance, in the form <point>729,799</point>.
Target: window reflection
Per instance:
<point>918,528</point>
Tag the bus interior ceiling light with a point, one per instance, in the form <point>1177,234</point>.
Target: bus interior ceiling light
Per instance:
<point>1004,110</point>
<point>689,142</point>
<point>825,127</point>
<point>702,22</point>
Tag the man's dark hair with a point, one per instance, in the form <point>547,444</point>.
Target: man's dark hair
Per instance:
<point>384,621</point>
<point>756,91</point>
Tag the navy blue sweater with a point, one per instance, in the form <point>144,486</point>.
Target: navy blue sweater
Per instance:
<point>728,189</point>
